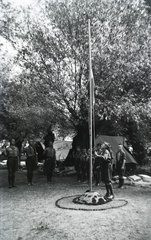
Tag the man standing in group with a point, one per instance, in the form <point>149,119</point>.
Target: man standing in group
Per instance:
<point>31,160</point>
<point>12,154</point>
<point>50,160</point>
<point>40,147</point>
<point>120,164</point>
<point>105,158</point>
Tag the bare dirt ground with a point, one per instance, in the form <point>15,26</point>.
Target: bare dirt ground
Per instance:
<point>29,212</point>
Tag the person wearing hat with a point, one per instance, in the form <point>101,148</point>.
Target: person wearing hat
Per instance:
<point>120,164</point>
<point>106,170</point>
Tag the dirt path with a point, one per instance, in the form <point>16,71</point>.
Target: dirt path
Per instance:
<point>29,213</point>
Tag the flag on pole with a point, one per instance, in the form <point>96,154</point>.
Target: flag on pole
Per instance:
<point>91,78</point>
<point>91,99</point>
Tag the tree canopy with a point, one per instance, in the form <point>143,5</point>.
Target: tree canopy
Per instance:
<point>51,44</point>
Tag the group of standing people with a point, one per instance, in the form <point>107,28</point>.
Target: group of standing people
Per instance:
<point>81,161</point>
<point>102,162</point>
<point>31,150</point>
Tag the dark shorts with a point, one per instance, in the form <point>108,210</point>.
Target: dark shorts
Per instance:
<point>49,164</point>
<point>12,164</point>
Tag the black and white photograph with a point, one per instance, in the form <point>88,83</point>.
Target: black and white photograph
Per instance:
<point>75,119</point>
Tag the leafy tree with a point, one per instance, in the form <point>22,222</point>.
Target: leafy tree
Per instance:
<point>53,56</point>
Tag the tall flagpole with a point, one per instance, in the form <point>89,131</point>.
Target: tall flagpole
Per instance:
<point>91,105</point>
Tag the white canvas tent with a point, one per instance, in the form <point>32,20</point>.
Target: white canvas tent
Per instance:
<point>62,149</point>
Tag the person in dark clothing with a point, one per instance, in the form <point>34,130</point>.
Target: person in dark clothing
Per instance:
<point>112,159</point>
<point>40,147</point>
<point>105,159</point>
<point>50,137</point>
<point>18,143</point>
<point>31,161</point>
<point>77,163</point>
<point>97,165</point>
<point>106,167</point>
<point>88,165</point>
<point>12,154</point>
<point>50,161</point>
<point>83,164</point>
<point>120,164</point>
